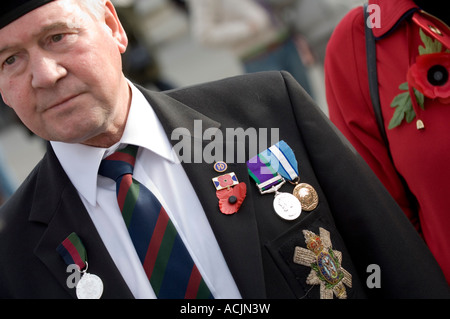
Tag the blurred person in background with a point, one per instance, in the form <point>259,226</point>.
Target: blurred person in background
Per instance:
<point>408,148</point>
<point>255,32</point>
<point>7,180</point>
<point>140,62</point>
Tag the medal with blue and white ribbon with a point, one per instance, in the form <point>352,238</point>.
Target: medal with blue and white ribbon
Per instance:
<point>288,168</point>
<point>270,169</point>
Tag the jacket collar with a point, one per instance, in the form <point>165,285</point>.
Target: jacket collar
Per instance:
<point>391,14</point>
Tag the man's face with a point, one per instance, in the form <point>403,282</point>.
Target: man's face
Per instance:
<point>60,70</point>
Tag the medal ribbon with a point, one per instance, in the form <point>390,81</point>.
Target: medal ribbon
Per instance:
<point>279,159</point>
<point>72,251</point>
<point>287,163</point>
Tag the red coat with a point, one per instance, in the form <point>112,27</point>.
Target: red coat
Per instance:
<point>422,157</point>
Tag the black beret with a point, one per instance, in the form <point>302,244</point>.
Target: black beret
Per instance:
<point>11,10</point>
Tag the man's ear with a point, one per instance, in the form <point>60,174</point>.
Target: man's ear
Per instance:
<point>113,23</point>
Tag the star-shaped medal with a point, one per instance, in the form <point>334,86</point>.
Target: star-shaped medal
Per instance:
<point>325,264</point>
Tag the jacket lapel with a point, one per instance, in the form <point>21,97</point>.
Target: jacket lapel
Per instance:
<point>236,234</point>
<point>58,206</point>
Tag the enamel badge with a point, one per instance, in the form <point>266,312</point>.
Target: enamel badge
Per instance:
<point>225,181</point>
<point>220,167</point>
<point>325,264</point>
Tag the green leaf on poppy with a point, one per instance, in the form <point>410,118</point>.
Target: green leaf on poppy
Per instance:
<point>400,100</point>
<point>430,45</point>
<point>420,98</point>
<point>397,118</point>
<point>410,115</point>
<point>403,86</point>
<point>403,108</point>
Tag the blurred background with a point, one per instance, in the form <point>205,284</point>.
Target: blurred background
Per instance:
<point>173,44</point>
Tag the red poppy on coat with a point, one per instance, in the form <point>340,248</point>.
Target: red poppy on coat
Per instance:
<point>231,199</point>
<point>430,75</point>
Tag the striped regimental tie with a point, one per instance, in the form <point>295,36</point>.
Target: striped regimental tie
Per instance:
<point>167,263</point>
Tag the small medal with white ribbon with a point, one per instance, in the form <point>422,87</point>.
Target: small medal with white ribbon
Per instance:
<point>73,252</point>
<point>288,168</point>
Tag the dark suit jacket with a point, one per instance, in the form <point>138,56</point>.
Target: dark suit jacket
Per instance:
<point>364,222</point>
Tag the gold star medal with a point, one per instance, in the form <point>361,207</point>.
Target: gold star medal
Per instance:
<point>325,263</point>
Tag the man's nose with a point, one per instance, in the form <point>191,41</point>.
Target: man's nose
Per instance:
<point>46,72</point>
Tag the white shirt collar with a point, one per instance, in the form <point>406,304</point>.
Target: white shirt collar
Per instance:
<point>143,128</point>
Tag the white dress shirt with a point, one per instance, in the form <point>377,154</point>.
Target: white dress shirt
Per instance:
<point>156,164</point>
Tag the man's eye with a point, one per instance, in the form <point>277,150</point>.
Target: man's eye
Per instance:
<point>57,37</point>
<point>10,60</point>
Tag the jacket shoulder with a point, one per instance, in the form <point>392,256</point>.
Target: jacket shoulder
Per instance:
<point>244,100</point>
<point>238,82</point>
<point>256,88</point>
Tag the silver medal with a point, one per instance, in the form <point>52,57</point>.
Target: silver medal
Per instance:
<point>287,206</point>
<point>90,286</point>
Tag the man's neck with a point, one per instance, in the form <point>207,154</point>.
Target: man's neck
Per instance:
<point>113,133</point>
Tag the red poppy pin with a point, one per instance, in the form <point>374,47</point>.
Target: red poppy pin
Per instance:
<point>230,193</point>
<point>430,74</point>
<point>428,77</point>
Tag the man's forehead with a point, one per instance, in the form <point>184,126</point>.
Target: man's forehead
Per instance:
<point>11,10</point>
<point>32,26</point>
<point>55,26</point>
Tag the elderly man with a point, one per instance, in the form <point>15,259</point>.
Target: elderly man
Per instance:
<point>110,212</point>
